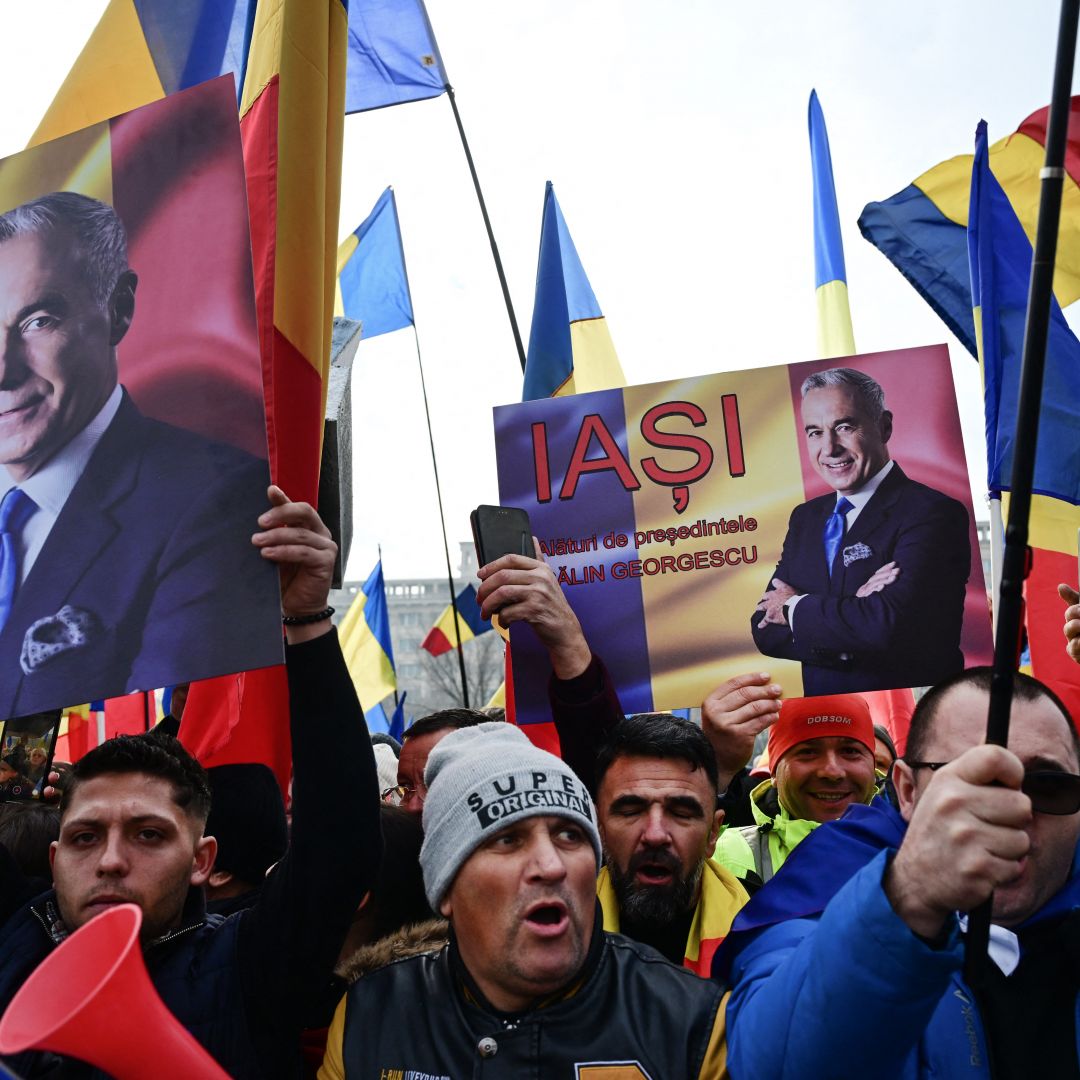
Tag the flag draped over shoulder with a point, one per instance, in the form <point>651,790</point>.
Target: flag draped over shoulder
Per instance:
<point>1000,260</point>
<point>373,286</point>
<point>570,347</point>
<point>393,57</point>
<point>835,334</point>
<point>365,641</point>
<point>441,638</point>
<point>922,229</point>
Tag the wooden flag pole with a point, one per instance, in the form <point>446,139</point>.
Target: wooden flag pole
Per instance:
<point>1015,562</point>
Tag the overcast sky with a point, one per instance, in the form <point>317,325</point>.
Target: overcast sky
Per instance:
<point>675,136</point>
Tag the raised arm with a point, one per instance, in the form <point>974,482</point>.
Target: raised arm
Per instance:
<point>290,940</point>
<point>584,704</point>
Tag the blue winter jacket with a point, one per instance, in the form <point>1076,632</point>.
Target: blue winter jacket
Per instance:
<point>850,991</point>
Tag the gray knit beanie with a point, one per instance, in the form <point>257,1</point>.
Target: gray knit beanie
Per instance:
<point>481,779</point>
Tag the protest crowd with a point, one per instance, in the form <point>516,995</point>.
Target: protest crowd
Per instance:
<point>653,903</point>
<point>793,886</point>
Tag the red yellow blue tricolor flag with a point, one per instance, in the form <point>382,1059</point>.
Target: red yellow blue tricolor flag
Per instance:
<point>835,335</point>
<point>365,642</point>
<point>570,347</point>
<point>922,229</point>
<point>441,638</point>
<point>1000,257</point>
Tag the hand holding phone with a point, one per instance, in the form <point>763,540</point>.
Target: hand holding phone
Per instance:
<point>501,530</point>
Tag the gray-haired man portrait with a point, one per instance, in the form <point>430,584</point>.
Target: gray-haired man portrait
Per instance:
<point>123,541</point>
<point>869,591</point>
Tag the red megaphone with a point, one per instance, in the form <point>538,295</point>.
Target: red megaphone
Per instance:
<point>92,999</point>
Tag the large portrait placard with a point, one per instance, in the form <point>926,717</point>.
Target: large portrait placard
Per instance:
<point>133,458</point>
<point>686,523</point>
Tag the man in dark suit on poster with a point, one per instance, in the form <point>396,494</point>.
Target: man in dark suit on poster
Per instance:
<point>869,590</point>
<point>125,543</point>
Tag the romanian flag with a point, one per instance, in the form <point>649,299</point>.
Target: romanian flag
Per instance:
<point>1000,255</point>
<point>922,229</point>
<point>835,336</point>
<point>373,287</point>
<point>80,727</point>
<point>570,348</point>
<point>441,638</point>
<point>365,641</point>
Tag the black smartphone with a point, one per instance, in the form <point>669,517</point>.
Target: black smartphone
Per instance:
<point>27,744</point>
<point>501,530</point>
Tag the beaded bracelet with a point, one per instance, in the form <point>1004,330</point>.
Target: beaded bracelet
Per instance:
<point>307,620</point>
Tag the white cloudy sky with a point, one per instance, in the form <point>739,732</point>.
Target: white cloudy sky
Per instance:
<point>675,135</point>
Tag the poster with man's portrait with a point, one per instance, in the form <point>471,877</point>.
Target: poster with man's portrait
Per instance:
<point>133,462</point>
<point>812,520</point>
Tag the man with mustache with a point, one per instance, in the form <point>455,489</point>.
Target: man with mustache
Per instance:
<point>529,984</point>
<point>658,816</point>
<point>869,590</point>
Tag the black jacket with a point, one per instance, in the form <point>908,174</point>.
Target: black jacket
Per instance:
<point>629,1007</point>
<point>244,986</point>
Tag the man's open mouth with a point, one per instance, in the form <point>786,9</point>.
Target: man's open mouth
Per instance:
<point>548,918</point>
<point>654,874</point>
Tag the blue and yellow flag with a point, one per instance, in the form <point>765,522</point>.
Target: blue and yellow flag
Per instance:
<point>922,230</point>
<point>1000,257</point>
<point>835,335</point>
<point>365,642</point>
<point>372,284</point>
<point>570,348</point>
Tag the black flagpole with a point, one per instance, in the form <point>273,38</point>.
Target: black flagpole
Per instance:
<point>442,522</point>
<point>1016,556</point>
<point>437,58</point>
<point>491,235</point>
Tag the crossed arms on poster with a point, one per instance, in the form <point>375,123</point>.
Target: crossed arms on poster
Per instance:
<point>887,609</point>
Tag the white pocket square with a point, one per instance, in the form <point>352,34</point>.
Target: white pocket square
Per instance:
<point>50,637</point>
<point>856,552</point>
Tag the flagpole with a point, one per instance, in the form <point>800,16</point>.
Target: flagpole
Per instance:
<point>442,522</point>
<point>1016,559</point>
<point>491,237</point>
<point>379,548</point>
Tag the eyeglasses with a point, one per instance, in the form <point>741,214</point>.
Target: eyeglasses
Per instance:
<point>1050,791</point>
<point>402,793</point>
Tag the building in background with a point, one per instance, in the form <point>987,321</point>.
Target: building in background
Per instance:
<point>414,604</point>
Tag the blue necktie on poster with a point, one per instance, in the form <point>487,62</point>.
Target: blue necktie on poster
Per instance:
<point>15,510</point>
<point>834,530</point>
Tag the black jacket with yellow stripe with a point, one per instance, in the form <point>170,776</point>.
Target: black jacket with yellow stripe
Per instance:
<point>629,1015</point>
